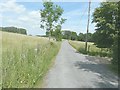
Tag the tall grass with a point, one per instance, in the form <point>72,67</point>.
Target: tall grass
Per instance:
<point>25,59</point>
<point>0,60</point>
<point>92,49</point>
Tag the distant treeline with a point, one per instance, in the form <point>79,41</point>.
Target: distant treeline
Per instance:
<point>80,37</point>
<point>14,30</point>
<point>72,35</point>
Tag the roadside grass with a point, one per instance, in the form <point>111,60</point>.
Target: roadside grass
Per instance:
<point>0,61</point>
<point>92,49</point>
<point>95,51</point>
<point>25,59</point>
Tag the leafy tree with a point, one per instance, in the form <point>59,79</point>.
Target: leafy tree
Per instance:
<point>116,48</point>
<point>58,34</point>
<point>105,17</point>
<point>102,40</point>
<point>107,34</point>
<point>66,34</point>
<point>81,37</point>
<point>73,36</point>
<point>51,17</point>
<point>70,35</point>
<point>90,37</point>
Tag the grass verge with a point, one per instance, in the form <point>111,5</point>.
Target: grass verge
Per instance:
<point>95,51</point>
<point>92,49</point>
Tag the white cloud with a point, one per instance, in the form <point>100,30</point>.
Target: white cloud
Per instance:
<point>11,6</point>
<point>14,14</point>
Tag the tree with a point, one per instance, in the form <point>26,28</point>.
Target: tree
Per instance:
<point>81,37</point>
<point>102,40</point>
<point>116,48</point>
<point>105,19</point>
<point>51,17</point>
<point>58,34</point>
<point>73,36</point>
<point>66,34</point>
<point>107,34</point>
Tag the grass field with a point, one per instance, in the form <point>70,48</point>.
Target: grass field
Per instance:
<point>0,61</point>
<point>25,59</point>
<point>92,49</point>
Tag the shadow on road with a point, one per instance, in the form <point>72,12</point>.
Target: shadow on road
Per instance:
<point>101,70</point>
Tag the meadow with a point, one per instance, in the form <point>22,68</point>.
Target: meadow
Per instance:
<point>25,59</point>
<point>0,60</point>
<point>93,50</point>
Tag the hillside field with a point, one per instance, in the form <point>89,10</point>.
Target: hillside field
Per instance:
<point>25,59</point>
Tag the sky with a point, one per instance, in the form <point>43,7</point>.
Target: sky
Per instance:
<point>26,15</point>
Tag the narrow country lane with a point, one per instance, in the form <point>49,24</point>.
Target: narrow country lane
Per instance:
<point>75,70</point>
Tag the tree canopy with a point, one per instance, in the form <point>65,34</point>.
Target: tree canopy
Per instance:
<point>51,17</point>
<point>105,19</point>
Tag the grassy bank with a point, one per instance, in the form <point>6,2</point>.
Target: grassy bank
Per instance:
<point>25,59</point>
<point>92,49</point>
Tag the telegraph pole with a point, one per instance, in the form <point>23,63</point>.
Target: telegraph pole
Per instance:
<point>87,26</point>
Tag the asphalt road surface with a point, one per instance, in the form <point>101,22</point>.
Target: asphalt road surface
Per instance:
<point>75,70</point>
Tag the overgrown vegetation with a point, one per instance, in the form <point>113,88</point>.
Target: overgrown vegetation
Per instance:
<point>25,59</point>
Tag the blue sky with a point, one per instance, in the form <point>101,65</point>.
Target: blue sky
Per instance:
<point>26,15</point>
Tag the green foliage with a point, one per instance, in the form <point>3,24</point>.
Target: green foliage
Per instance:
<point>66,34</point>
<point>116,48</point>
<point>14,30</point>
<point>105,17</point>
<point>102,39</point>
<point>70,35</point>
<point>51,17</point>
<point>26,67</point>
<point>81,37</point>
<point>58,35</point>
<point>73,35</point>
